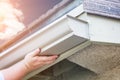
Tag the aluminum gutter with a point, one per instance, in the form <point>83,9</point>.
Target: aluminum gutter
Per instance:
<point>61,37</point>
<point>51,39</point>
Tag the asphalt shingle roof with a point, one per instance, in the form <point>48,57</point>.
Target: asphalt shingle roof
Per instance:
<point>109,8</point>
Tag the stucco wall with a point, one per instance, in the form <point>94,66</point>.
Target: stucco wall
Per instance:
<point>98,57</point>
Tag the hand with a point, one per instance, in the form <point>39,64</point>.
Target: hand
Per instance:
<point>33,60</point>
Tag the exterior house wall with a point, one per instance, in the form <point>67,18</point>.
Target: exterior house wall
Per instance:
<point>98,57</point>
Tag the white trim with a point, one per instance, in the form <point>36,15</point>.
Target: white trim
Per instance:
<point>101,28</point>
<point>104,29</point>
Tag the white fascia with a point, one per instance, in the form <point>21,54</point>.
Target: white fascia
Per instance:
<point>102,29</point>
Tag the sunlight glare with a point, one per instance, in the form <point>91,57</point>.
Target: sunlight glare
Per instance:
<point>10,20</point>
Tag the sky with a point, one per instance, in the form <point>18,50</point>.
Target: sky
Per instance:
<point>32,9</point>
<point>10,17</point>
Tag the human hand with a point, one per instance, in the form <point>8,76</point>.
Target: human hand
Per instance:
<point>33,60</point>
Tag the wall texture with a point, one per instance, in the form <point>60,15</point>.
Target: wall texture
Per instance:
<point>98,57</point>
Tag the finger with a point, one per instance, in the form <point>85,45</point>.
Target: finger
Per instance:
<point>47,58</point>
<point>48,62</point>
<point>35,52</point>
<point>43,63</point>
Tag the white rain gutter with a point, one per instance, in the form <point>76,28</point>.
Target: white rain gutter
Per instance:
<point>58,37</point>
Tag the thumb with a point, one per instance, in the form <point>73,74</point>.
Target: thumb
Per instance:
<point>35,52</point>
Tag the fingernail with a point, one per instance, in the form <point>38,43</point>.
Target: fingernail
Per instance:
<point>38,50</point>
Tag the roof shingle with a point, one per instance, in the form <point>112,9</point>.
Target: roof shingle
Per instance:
<point>109,8</point>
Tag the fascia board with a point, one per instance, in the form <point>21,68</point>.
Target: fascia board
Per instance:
<point>101,29</point>
<point>104,29</point>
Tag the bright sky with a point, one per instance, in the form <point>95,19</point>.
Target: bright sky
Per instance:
<point>10,20</point>
<point>11,17</point>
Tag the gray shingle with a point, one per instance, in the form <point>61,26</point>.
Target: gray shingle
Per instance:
<point>110,8</point>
